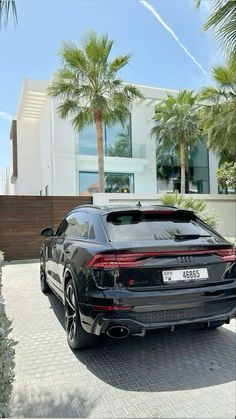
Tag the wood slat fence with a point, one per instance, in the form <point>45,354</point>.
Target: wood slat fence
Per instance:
<point>23,217</point>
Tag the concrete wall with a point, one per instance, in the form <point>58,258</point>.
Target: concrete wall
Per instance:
<point>28,181</point>
<point>223,206</point>
<point>63,144</point>
<point>45,144</point>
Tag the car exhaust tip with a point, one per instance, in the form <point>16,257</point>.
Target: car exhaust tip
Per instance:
<point>118,332</point>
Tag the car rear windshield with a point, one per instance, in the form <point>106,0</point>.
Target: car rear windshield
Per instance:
<point>154,226</point>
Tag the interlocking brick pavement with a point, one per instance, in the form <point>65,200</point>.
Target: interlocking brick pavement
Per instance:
<point>185,374</point>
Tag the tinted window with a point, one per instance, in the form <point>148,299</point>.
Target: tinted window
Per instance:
<point>152,226</point>
<point>78,225</point>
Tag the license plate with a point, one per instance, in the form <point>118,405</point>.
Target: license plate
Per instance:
<point>185,275</point>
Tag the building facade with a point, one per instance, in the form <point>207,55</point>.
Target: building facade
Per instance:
<point>50,158</point>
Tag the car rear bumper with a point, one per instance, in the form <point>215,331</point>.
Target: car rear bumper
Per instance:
<point>163,319</point>
<point>169,308</point>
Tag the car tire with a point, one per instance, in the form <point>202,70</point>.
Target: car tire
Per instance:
<point>77,337</point>
<point>43,281</point>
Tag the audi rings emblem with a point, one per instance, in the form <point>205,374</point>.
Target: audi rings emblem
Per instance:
<point>185,259</point>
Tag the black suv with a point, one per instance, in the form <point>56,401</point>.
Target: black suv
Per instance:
<point>124,270</point>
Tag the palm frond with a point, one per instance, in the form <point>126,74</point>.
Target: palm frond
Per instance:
<point>198,206</point>
<point>7,6</point>
<point>97,48</point>
<point>132,92</point>
<point>82,119</point>
<point>218,113</point>
<point>223,22</point>
<point>67,108</point>
<point>117,63</point>
<point>60,89</point>
<point>223,75</point>
<point>73,57</point>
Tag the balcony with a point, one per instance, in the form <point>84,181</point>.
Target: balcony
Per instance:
<point>136,151</point>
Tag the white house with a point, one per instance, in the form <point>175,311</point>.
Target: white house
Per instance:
<point>50,158</point>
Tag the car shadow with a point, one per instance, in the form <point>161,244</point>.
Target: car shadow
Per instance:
<point>161,361</point>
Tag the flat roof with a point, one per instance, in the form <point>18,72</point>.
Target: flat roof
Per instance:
<point>34,94</point>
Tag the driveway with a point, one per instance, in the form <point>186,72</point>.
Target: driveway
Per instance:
<point>164,375</point>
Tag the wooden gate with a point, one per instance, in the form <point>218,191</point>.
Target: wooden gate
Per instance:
<point>23,217</point>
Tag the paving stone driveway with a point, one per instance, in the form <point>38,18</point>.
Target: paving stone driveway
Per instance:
<point>182,374</point>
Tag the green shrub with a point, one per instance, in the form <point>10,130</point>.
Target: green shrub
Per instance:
<point>7,353</point>
<point>198,206</point>
<point>226,175</point>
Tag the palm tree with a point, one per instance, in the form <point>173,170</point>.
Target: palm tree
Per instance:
<point>5,7</point>
<point>219,110</point>
<point>223,22</point>
<point>90,91</point>
<point>177,126</point>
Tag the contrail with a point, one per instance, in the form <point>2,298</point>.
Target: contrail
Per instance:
<point>154,12</point>
<point>5,115</point>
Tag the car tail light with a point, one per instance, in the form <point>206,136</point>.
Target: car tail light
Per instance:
<point>119,260</point>
<point>131,260</point>
<point>228,255</point>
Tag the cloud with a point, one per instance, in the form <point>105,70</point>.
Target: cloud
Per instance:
<point>5,115</point>
<point>158,17</point>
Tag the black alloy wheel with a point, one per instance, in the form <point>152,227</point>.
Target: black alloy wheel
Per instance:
<point>43,282</point>
<point>77,337</point>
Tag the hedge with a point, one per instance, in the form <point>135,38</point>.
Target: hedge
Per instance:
<point>7,354</point>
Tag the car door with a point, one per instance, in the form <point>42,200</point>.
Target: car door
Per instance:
<point>77,229</point>
<point>53,255</point>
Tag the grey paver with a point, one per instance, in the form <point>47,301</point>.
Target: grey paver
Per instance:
<point>183,374</point>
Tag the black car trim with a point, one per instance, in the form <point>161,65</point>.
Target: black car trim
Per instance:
<point>101,324</point>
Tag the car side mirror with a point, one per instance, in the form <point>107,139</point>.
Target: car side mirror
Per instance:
<point>47,232</point>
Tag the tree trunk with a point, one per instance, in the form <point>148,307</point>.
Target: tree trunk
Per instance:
<point>182,168</point>
<point>99,141</point>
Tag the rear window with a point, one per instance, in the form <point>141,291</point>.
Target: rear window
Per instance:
<point>153,226</point>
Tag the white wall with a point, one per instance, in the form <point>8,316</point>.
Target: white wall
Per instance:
<point>213,166</point>
<point>46,152</point>
<point>28,156</point>
<point>63,144</point>
<point>141,126</point>
<point>223,206</point>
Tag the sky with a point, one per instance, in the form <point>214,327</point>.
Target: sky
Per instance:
<point>169,50</point>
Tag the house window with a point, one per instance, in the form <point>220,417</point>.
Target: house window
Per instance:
<point>197,170</point>
<point>116,140</point>
<point>86,141</point>
<point>114,182</point>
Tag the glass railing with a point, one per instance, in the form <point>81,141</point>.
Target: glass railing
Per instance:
<point>137,151</point>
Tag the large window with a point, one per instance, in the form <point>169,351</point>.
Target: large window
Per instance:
<point>197,170</point>
<point>114,182</point>
<point>135,225</point>
<point>116,140</point>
